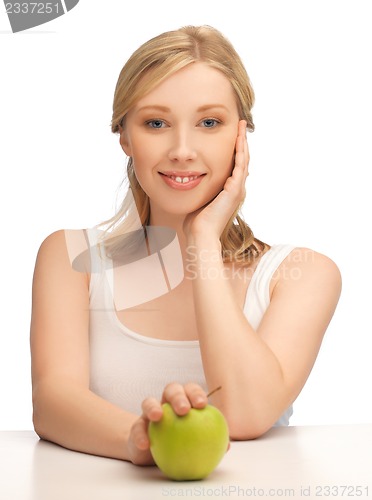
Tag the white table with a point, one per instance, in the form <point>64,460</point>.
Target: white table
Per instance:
<point>289,462</point>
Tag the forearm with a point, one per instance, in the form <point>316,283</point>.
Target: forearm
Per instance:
<point>234,356</point>
<point>76,418</point>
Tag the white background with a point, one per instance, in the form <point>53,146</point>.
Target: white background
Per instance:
<point>310,156</point>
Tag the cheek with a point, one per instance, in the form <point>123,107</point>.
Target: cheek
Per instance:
<point>144,158</point>
<point>140,170</point>
<point>139,155</point>
<point>144,151</point>
<point>139,163</point>
<point>224,154</point>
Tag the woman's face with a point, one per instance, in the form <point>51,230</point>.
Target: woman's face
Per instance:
<point>181,137</point>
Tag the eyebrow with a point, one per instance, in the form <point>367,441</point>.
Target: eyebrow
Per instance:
<point>206,107</point>
<point>154,106</point>
<point>165,109</point>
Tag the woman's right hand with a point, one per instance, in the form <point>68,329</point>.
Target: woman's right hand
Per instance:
<point>181,397</point>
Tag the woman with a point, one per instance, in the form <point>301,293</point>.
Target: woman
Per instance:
<point>241,315</point>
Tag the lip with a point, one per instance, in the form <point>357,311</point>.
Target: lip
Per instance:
<point>177,185</point>
<point>182,173</point>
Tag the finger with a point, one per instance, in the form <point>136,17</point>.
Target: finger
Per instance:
<point>139,434</point>
<point>235,183</point>
<point>239,172</point>
<point>196,394</point>
<point>175,395</point>
<point>243,146</point>
<point>242,153</point>
<point>242,127</point>
<point>152,409</point>
<point>237,165</point>
<point>239,153</point>
<point>241,149</point>
<point>246,154</point>
<point>240,137</point>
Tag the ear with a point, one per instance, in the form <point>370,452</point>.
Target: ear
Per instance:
<point>124,141</point>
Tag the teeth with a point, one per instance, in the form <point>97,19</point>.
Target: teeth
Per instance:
<point>183,180</point>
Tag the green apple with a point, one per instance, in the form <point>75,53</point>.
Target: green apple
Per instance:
<point>188,447</point>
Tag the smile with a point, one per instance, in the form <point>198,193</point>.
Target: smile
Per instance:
<point>183,179</point>
<point>179,181</point>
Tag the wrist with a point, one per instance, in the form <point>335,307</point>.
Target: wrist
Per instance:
<point>203,249</point>
<point>201,255</point>
<point>204,241</point>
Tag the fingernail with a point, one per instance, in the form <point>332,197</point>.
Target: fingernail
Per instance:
<point>183,407</point>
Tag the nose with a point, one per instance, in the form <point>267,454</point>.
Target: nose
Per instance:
<point>182,147</point>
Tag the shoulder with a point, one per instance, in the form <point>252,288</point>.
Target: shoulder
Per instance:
<point>53,244</point>
<point>58,237</point>
<point>308,269</point>
<point>64,240</point>
<point>306,259</point>
<point>61,249</point>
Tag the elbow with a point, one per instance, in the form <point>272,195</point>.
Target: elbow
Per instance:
<point>38,427</point>
<point>247,428</point>
<point>36,417</point>
<point>247,433</point>
<point>254,420</point>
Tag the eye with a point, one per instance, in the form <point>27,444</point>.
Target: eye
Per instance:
<point>210,122</point>
<point>155,123</point>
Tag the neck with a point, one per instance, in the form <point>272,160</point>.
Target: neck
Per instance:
<point>173,221</point>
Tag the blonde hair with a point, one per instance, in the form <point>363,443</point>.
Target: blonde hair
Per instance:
<point>163,56</point>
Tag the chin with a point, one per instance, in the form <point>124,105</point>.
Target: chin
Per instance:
<point>181,205</point>
<point>187,208</point>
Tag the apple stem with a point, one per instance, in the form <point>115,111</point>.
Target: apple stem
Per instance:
<point>214,390</point>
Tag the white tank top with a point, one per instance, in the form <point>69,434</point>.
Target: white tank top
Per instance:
<point>126,367</point>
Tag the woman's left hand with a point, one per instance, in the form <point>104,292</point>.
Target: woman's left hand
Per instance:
<point>212,218</point>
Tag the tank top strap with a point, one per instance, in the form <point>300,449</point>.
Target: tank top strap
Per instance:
<point>258,293</point>
<point>98,260</point>
<point>96,249</point>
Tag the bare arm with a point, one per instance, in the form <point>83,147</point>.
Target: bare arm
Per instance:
<point>262,371</point>
<point>65,410</point>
